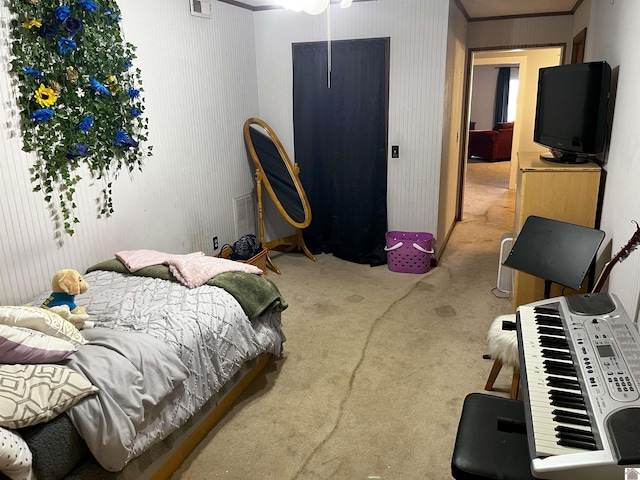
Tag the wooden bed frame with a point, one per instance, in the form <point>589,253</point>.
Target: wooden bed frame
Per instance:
<point>167,456</point>
<point>167,464</point>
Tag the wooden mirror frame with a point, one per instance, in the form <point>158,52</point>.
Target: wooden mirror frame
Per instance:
<point>293,241</point>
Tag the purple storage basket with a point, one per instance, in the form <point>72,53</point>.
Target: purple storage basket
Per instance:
<point>409,252</point>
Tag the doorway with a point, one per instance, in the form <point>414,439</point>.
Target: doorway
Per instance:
<point>527,61</point>
<point>340,141</point>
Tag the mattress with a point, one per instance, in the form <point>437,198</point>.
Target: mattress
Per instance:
<point>205,331</point>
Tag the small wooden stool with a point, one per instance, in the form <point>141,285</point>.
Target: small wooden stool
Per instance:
<point>503,348</point>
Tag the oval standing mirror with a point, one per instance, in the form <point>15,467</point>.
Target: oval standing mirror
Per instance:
<point>280,177</point>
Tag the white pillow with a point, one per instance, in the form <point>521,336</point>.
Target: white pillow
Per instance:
<point>15,456</point>
<point>23,345</point>
<point>31,394</point>
<point>42,320</point>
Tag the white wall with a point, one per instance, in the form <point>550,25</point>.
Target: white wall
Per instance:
<point>581,18</point>
<point>199,78</point>
<point>613,35</point>
<point>483,91</point>
<point>522,32</point>
<point>418,41</point>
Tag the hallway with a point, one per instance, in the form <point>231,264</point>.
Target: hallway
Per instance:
<point>487,183</point>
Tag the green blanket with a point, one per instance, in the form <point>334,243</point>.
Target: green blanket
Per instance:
<point>256,294</point>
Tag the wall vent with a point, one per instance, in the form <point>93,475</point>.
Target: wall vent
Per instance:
<point>200,8</point>
<point>245,215</point>
<point>505,274</point>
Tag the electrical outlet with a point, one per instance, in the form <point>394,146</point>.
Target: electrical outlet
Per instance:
<point>215,243</point>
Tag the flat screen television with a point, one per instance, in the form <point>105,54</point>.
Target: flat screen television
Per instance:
<point>571,110</point>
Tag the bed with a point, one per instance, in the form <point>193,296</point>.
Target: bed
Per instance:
<point>161,365</point>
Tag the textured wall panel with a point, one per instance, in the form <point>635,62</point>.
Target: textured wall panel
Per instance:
<point>613,34</point>
<point>199,79</point>
<point>418,34</point>
<point>521,32</point>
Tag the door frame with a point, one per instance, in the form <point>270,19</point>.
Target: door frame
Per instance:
<point>385,42</point>
<point>464,145</point>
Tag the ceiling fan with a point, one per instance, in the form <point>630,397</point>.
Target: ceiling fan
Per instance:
<point>312,7</point>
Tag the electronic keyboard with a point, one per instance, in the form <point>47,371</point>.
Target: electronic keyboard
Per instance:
<point>580,374</point>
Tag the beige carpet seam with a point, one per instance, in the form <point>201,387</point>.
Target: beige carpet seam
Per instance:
<point>354,372</point>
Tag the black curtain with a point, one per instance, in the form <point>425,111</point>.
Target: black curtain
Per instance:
<point>502,95</point>
<point>340,136</point>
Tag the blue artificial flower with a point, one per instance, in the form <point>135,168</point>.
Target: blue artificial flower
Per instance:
<point>127,64</point>
<point>88,5</point>
<point>86,123</point>
<point>31,72</point>
<point>133,93</point>
<point>62,12</point>
<point>98,87</point>
<point>42,115</point>
<point>65,45</point>
<point>48,30</point>
<point>122,139</point>
<point>72,25</point>
<point>135,112</point>
<point>78,150</point>
<point>113,16</point>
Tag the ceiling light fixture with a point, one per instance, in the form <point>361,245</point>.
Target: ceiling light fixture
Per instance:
<point>312,7</point>
<point>316,7</point>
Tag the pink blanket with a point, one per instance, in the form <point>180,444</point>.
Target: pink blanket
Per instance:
<point>192,270</point>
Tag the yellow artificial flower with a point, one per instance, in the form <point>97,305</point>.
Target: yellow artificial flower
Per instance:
<point>72,74</point>
<point>113,87</point>
<point>34,22</point>
<point>34,2</point>
<point>45,97</point>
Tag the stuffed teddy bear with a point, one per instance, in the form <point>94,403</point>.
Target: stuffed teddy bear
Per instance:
<point>66,284</point>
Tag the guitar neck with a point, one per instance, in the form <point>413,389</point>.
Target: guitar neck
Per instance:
<point>603,277</point>
<point>622,254</point>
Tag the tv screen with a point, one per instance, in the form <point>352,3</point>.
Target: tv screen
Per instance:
<point>571,110</point>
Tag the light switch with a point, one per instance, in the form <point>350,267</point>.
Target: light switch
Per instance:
<point>395,151</point>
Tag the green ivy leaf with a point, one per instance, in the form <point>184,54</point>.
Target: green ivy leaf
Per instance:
<point>70,93</point>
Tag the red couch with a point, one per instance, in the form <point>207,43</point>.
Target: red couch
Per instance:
<point>492,145</point>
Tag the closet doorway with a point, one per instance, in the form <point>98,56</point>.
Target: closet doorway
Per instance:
<point>340,111</point>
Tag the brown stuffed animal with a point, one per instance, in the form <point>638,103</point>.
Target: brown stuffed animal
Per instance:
<point>66,284</point>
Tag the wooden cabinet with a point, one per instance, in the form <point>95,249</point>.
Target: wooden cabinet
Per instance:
<point>568,193</point>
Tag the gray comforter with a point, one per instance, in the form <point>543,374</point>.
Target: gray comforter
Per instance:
<point>158,353</point>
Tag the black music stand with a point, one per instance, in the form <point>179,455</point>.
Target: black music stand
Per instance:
<point>558,252</point>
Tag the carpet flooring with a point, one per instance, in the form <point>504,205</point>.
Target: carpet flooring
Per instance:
<point>376,364</point>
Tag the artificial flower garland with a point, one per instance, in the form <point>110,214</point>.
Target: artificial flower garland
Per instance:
<point>80,98</point>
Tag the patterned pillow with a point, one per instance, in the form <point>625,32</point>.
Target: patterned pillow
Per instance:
<point>31,394</point>
<point>42,320</point>
<point>15,456</point>
<point>23,345</point>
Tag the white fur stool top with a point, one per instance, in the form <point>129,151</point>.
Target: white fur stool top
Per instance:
<point>503,344</point>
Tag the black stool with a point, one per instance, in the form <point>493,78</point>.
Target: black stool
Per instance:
<point>491,442</point>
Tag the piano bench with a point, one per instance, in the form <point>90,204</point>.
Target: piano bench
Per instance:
<point>484,452</point>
